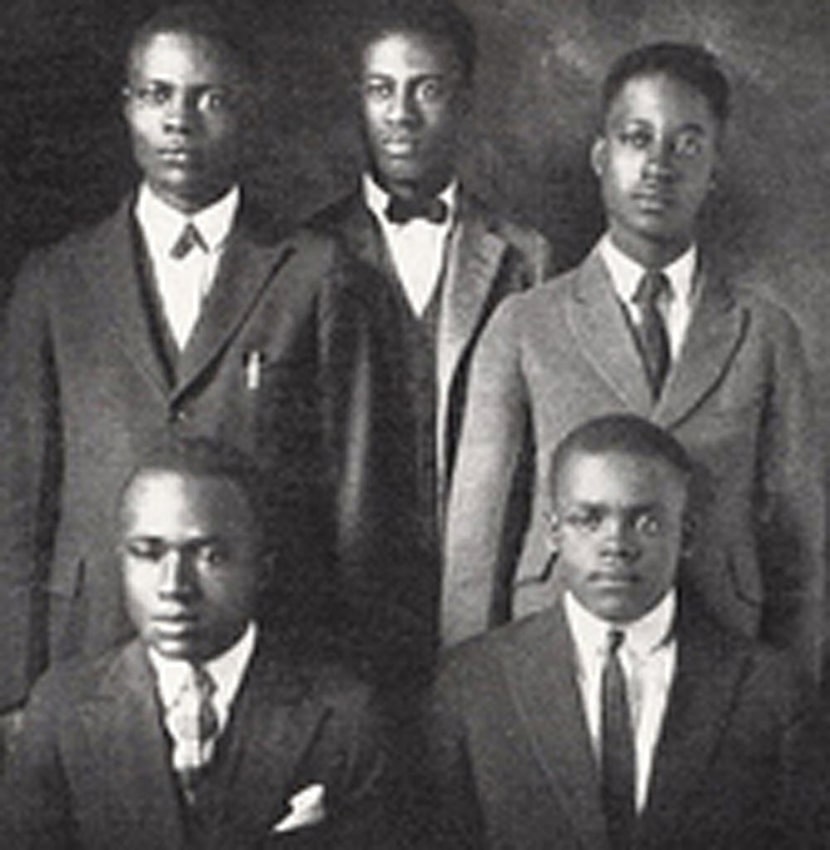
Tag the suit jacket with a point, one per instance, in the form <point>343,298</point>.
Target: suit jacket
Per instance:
<point>381,549</point>
<point>513,766</point>
<point>737,398</point>
<point>92,767</point>
<point>85,389</point>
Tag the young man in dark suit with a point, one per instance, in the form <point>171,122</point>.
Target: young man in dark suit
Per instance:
<point>441,260</point>
<point>209,729</point>
<point>623,718</point>
<point>648,324</point>
<point>183,312</point>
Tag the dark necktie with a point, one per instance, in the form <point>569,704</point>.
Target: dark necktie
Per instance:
<point>652,338</point>
<point>404,210</point>
<point>618,760</point>
<point>190,238</point>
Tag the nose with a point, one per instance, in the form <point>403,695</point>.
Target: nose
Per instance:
<point>659,161</point>
<point>175,578</point>
<point>618,532</point>
<point>402,108</point>
<point>178,114</point>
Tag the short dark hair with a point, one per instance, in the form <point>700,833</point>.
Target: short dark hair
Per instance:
<point>202,20</point>
<point>620,433</point>
<point>202,457</point>
<point>691,64</point>
<point>441,20</point>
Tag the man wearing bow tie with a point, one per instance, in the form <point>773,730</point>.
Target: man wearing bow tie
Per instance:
<point>211,728</point>
<point>648,324</point>
<point>441,262</point>
<point>183,312</point>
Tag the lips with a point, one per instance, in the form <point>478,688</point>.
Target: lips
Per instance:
<point>400,146</point>
<point>655,200</point>
<point>178,155</point>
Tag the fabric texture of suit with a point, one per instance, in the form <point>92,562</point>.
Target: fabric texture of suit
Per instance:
<point>737,398</point>
<point>86,388</point>
<point>383,559</point>
<point>93,766</point>
<point>513,767</point>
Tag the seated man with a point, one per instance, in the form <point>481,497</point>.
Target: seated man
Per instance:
<point>620,717</point>
<point>205,730</point>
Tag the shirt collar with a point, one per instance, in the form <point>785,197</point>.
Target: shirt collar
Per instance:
<point>377,199</point>
<point>226,669</point>
<point>642,637</point>
<point>626,273</point>
<point>162,224</point>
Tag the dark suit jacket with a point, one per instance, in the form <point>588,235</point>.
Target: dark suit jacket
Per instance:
<point>380,551</point>
<point>737,398</point>
<point>92,766</point>
<point>84,389</point>
<point>513,766</point>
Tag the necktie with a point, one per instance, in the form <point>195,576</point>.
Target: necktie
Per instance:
<point>617,741</point>
<point>190,238</point>
<point>193,723</point>
<point>652,338</point>
<point>404,210</point>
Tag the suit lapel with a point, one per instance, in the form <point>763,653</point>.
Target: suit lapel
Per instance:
<point>272,728</point>
<point>544,687</point>
<point>111,268</point>
<point>473,258</point>
<point>598,323</point>
<point>128,743</point>
<point>247,266</point>
<point>699,703</point>
<point>714,333</point>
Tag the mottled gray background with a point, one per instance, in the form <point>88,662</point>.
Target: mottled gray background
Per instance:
<point>63,154</point>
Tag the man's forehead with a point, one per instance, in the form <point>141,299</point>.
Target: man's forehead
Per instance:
<point>393,45</point>
<point>169,54</point>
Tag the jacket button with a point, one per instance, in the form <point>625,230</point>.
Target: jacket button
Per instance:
<point>178,414</point>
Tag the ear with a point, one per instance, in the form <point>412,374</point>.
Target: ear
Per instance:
<point>599,155</point>
<point>554,533</point>
<point>687,538</point>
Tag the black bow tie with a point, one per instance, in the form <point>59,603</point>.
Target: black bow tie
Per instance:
<point>403,210</point>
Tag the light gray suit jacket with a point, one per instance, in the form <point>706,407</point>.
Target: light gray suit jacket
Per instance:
<point>737,398</point>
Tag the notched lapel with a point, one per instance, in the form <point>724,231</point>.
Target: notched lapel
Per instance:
<point>715,332</point>
<point>597,321</point>
<point>699,704</point>
<point>544,687</point>
<point>110,266</point>
<point>128,744</point>
<point>274,726</point>
<point>244,272</point>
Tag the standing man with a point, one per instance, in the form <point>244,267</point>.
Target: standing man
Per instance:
<point>209,729</point>
<point>647,324</point>
<point>182,313</point>
<point>441,261</point>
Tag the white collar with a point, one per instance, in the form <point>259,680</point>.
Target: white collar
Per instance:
<point>226,670</point>
<point>642,637</point>
<point>377,199</point>
<point>626,273</point>
<point>162,224</point>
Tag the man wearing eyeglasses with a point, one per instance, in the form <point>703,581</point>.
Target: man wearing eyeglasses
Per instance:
<point>183,312</point>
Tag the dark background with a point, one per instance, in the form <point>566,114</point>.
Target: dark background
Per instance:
<point>64,159</point>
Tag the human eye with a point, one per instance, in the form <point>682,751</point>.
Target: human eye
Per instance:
<point>431,90</point>
<point>688,145</point>
<point>215,100</point>
<point>638,138</point>
<point>647,523</point>
<point>146,548</point>
<point>584,519</point>
<point>377,89</point>
<point>210,555</point>
<point>152,94</point>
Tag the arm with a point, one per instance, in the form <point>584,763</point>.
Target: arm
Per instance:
<point>488,501</point>
<point>29,484</point>
<point>791,515</point>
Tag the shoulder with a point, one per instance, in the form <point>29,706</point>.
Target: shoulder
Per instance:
<point>332,218</point>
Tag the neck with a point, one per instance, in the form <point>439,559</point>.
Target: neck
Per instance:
<point>429,187</point>
<point>652,254</point>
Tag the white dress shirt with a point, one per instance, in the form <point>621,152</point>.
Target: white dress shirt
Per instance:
<point>648,656</point>
<point>226,671</point>
<point>184,283</point>
<point>675,305</point>
<point>418,247</point>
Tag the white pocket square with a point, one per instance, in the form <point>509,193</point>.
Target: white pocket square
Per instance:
<point>307,809</point>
